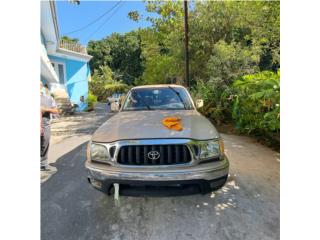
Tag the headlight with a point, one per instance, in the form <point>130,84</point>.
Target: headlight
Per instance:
<point>98,152</point>
<point>209,149</point>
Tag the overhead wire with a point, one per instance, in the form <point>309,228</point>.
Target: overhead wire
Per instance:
<point>107,19</point>
<point>97,19</point>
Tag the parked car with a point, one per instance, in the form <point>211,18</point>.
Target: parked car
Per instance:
<point>115,101</point>
<point>115,97</point>
<point>137,151</point>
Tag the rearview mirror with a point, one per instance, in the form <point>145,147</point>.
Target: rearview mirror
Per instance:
<point>199,103</point>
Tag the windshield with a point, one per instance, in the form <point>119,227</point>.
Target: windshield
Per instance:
<point>165,98</point>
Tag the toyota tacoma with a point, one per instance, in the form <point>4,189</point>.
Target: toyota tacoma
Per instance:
<point>157,141</point>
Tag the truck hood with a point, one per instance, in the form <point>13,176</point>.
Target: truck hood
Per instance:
<point>147,124</point>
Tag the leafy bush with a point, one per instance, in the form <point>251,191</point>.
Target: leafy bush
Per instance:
<point>216,103</point>
<point>256,105</point>
<point>252,103</point>
<point>226,63</point>
<point>229,62</point>
<point>100,79</point>
<point>104,85</point>
<point>91,100</point>
<point>115,88</point>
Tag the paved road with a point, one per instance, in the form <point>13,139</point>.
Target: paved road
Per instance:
<point>247,207</point>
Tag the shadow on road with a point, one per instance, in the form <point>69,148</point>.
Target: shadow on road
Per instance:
<point>79,124</point>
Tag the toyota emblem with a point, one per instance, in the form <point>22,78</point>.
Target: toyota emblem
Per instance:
<point>153,155</point>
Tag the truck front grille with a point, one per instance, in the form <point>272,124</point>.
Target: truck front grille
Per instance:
<point>154,155</point>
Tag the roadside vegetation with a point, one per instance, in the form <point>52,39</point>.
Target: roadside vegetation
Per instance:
<point>91,101</point>
<point>234,50</point>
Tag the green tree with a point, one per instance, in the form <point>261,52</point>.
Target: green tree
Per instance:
<point>122,53</point>
<point>70,40</point>
<point>134,15</point>
<point>103,84</point>
<point>99,80</point>
<point>163,51</point>
<point>101,55</point>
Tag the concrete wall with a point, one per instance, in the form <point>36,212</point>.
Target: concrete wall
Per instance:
<point>77,76</point>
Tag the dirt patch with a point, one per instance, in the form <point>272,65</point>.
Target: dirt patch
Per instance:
<point>228,128</point>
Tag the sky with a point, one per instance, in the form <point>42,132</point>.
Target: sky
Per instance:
<point>72,17</point>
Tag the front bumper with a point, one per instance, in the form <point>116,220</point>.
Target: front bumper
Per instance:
<point>207,175</point>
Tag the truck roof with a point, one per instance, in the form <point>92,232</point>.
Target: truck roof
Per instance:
<point>158,86</point>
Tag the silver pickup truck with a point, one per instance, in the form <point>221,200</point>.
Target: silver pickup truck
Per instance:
<point>135,150</point>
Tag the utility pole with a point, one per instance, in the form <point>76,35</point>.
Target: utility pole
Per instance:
<point>186,43</point>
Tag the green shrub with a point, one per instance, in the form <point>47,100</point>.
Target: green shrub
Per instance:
<point>99,80</point>
<point>252,103</point>
<point>109,89</point>
<point>91,100</point>
<point>256,105</point>
<point>216,103</point>
<point>103,84</point>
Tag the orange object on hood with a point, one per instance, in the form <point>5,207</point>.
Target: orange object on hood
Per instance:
<point>173,123</point>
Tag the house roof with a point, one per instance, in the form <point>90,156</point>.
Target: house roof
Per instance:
<point>50,30</point>
<point>49,27</point>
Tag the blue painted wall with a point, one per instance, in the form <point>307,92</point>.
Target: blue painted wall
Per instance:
<point>77,74</point>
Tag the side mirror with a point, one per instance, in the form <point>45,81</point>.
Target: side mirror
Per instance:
<point>199,103</point>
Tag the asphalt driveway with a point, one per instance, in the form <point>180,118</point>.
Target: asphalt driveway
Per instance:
<point>247,207</point>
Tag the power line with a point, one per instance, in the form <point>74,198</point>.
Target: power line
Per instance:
<point>105,22</point>
<point>94,21</point>
<point>107,19</point>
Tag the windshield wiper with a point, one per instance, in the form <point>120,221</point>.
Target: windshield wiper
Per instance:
<point>144,103</point>
<point>178,94</point>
